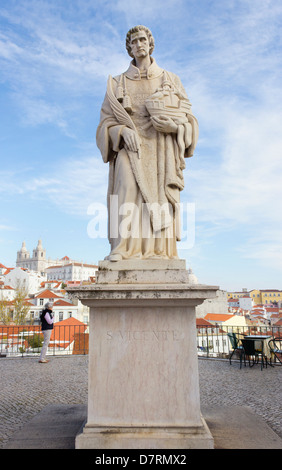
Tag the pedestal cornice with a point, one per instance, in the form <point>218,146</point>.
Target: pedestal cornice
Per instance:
<point>174,294</point>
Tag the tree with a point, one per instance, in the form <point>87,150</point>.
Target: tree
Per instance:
<point>35,341</point>
<point>5,312</point>
<point>21,309</point>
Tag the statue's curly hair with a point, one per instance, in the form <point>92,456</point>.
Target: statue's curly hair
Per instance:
<point>135,29</point>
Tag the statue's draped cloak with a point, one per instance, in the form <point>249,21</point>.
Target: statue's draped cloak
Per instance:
<point>158,170</point>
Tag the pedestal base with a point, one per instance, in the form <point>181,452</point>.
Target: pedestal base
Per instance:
<point>143,365</point>
<point>142,272</point>
<point>198,437</point>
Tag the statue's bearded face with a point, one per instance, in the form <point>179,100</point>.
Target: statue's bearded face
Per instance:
<point>139,44</point>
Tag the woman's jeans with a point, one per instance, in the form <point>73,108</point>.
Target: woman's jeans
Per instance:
<point>47,336</point>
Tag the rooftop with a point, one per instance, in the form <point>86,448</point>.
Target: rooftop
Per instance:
<point>47,294</point>
<point>83,265</point>
<point>218,317</point>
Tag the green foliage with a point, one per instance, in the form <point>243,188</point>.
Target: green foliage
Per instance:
<point>35,341</point>
<point>20,308</point>
<point>5,312</point>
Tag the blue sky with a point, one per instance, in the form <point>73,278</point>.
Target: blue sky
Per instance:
<point>55,57</point>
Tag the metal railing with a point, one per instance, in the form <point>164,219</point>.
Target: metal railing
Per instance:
<point>214,341</point>
<point>27,340</point>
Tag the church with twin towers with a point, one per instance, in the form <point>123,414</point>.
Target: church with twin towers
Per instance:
<point>38,261</point>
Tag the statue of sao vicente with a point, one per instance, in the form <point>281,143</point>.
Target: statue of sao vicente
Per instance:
<point>146,131</point>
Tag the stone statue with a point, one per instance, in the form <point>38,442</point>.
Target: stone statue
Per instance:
<point>146,130</point>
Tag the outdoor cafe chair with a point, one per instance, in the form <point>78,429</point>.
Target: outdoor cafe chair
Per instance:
<point>275,346</point>
<point>236,346</point>
<point>252,353</point>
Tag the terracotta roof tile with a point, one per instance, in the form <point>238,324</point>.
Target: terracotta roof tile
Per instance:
<point>47,294</point>
<point>62,303</point>
<point>218,316</point>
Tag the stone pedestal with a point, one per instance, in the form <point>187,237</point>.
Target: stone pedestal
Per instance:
<point>143,366</point>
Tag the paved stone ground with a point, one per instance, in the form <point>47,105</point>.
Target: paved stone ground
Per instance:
<point>27,387</point>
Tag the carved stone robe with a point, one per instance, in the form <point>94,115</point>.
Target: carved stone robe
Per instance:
<point>152,179</point>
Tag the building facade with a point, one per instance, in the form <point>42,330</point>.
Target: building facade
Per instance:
<point>265,297</point>
<point>29,280</point>
<point>72,272</point>
<point>38,261</point>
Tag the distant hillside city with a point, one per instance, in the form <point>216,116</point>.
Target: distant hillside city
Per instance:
<point>43,279</point>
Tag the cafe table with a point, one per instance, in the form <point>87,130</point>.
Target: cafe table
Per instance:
<point>261,346</point>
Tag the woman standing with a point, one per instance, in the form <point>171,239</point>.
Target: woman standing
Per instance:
<point>47,325</point>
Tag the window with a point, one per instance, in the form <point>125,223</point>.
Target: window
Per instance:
<point>41,301</point>
<point>61,316</point>
<point>70,314</point>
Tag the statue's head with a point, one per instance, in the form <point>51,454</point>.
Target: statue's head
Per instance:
<point>135,30</point>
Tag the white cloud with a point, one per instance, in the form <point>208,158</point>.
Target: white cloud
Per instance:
<point>54,67</point>
<point>71,185</point>
<point>242,189</point>
<point>147,11</point>
<point>6,228</point>
<point>228,55</point>
<point>249,174</point>
<point>82,182</point>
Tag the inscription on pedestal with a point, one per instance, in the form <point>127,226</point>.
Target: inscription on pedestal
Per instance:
<point>146,335</point>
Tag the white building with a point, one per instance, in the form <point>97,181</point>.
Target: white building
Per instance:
<point>246,302</point>
<point>29,280</point>
<point>38,262</point>
<point>217,304</point>
<point>62,307</point>
<point>35,263</point>
<point>3,269</point>
<point>71,272</point>
<point>211,339</point>
<point>7,292</point>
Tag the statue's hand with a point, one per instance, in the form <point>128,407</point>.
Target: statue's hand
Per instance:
<point>164,124</point>
<point>131,139</point>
